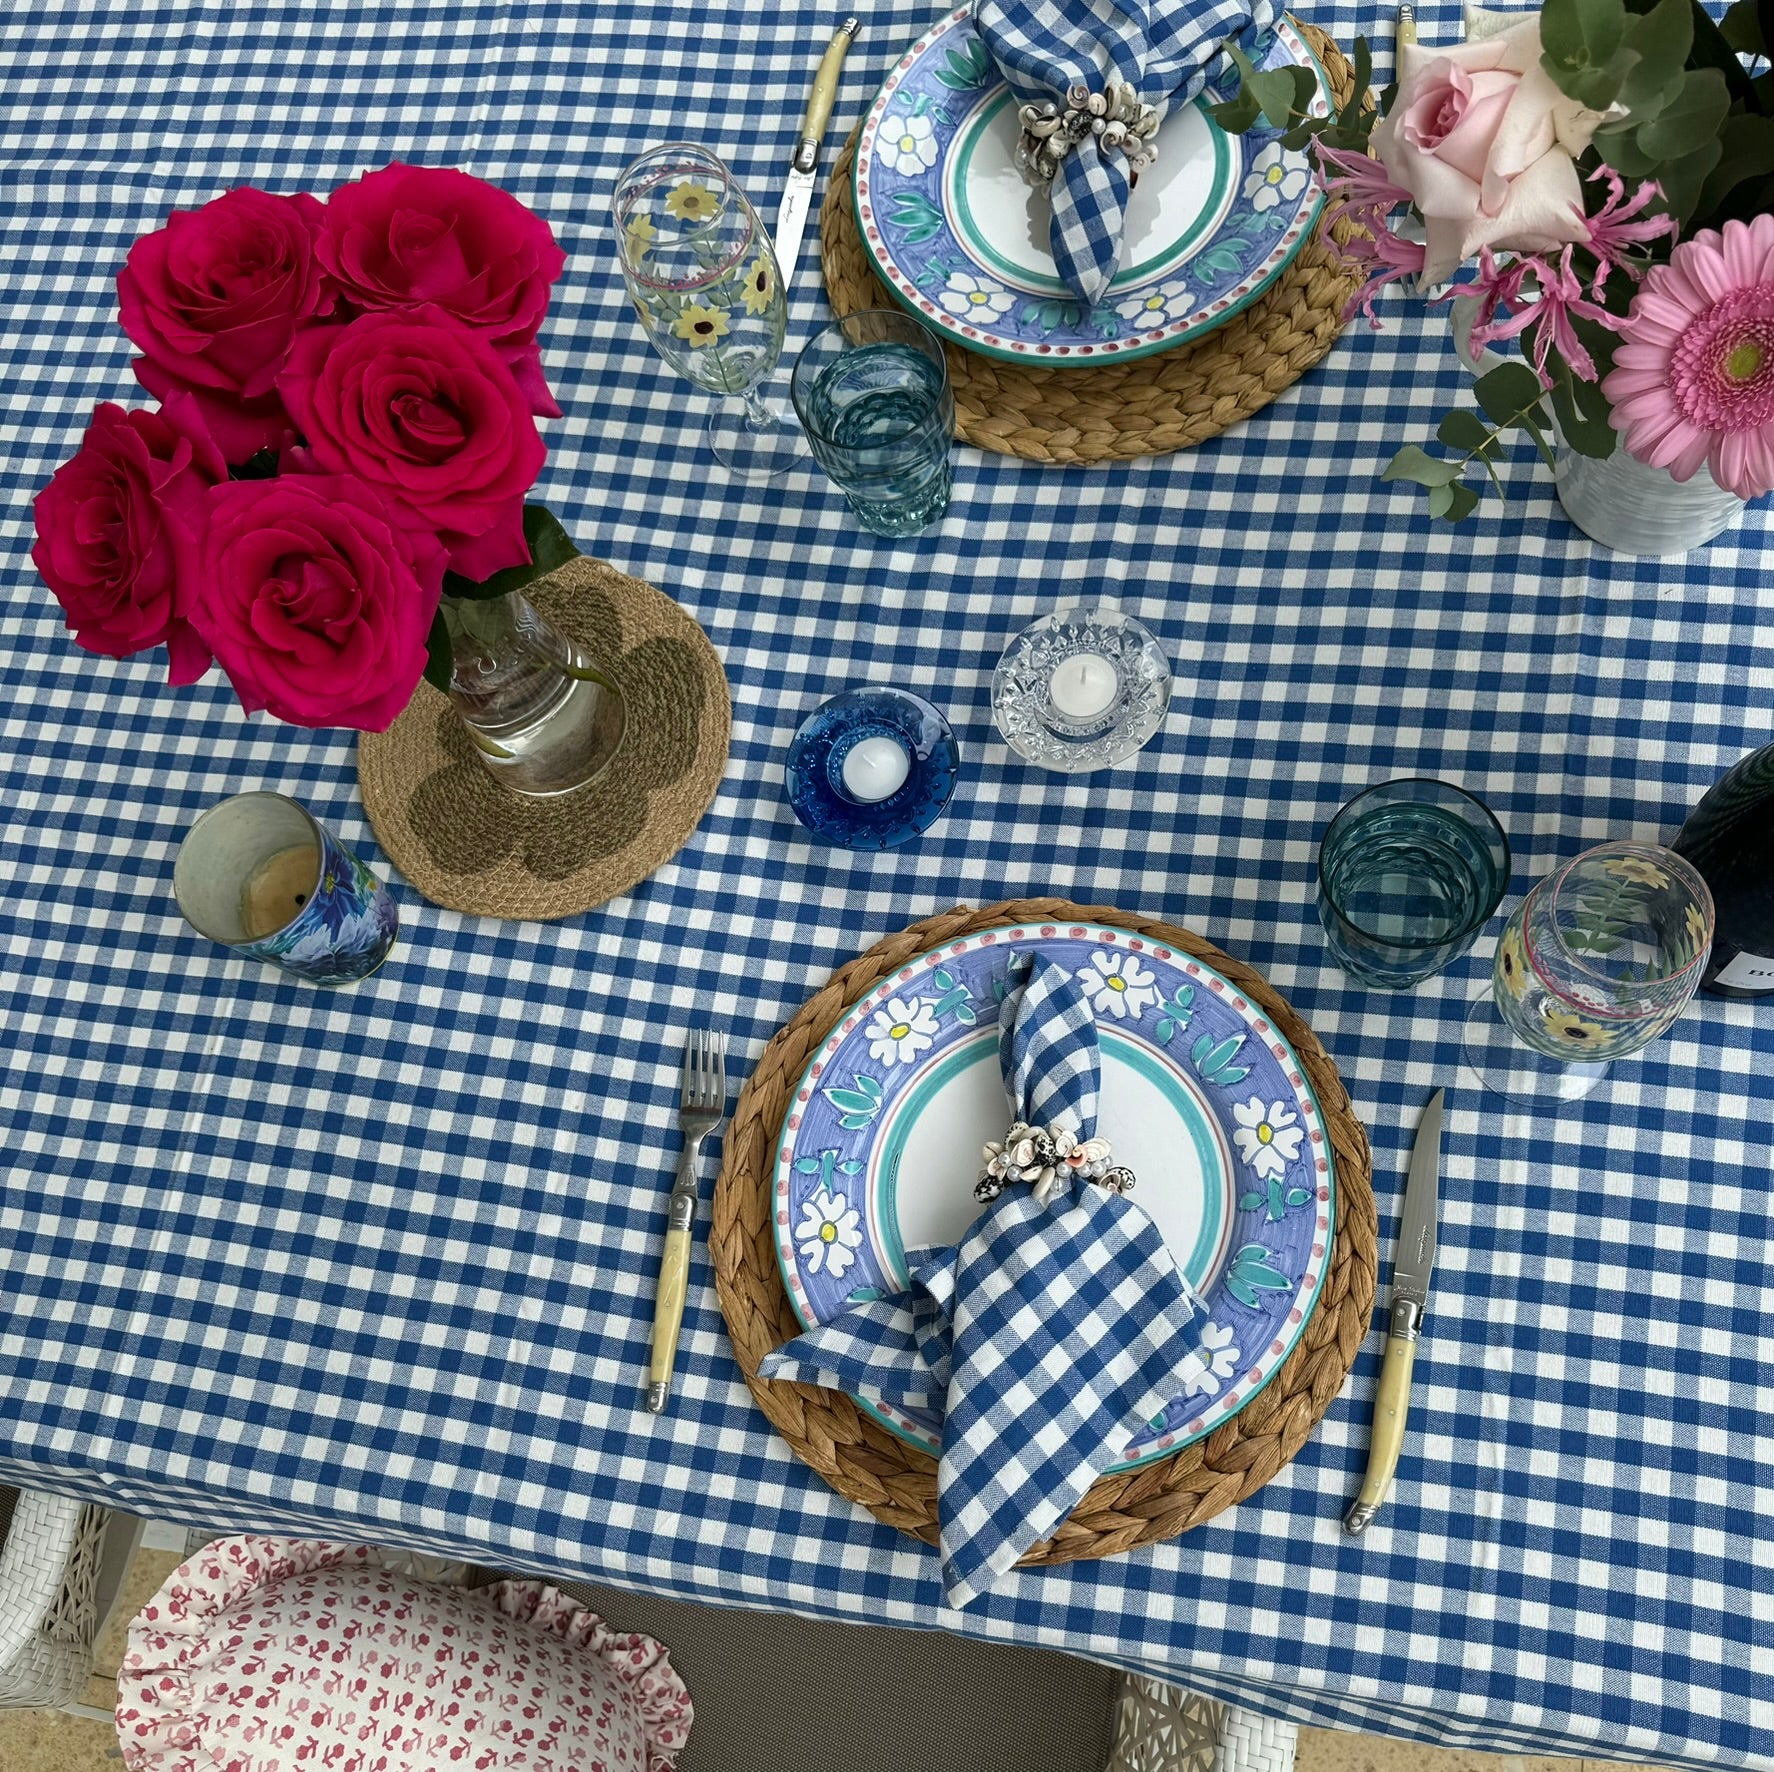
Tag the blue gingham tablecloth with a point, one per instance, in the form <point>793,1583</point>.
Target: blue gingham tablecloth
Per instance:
<point>380,1262</point>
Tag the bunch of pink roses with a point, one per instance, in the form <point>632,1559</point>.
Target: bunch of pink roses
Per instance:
<point>348,400</point>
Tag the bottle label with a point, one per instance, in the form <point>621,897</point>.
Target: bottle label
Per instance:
<point>1748,972</point>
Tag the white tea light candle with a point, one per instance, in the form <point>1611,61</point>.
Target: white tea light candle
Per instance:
<point>1083,685</point>
<point>875,768</point>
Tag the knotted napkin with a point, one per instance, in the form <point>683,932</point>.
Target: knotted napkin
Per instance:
<point>1047,1337</point>
<point>1160,48</point>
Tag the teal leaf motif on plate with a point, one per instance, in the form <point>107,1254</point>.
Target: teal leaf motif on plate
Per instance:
<point>1213,1059</point>
<point>856,1106</point>
<point>1252,1272</point>
<point>826,1165</point>
<point>1104,323</point>
<point>912,214</point>
<point>1222,258</point>
<point>956,999</point>
<point>866,1294</point>
<point>1277,1199</point>
<point>1178,1013</point>
<point>965,69</point>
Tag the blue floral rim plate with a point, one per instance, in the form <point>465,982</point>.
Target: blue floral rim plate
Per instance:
<point>1201,1096</point>
<point>959,239</point>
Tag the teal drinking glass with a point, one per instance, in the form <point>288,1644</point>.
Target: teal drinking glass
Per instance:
<point>872,391</point>
<point>1408,873</point>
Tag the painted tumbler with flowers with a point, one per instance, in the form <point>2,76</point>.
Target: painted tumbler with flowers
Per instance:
<point>348,393</point>
<point>1599,178</point>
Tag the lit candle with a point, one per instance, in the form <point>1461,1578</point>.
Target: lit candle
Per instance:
<point>875,767</point>
<point>1082,686</point>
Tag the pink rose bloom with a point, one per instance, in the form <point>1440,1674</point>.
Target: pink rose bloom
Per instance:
<point>118,531</point>
<point>426,413</point>
<point>413,235</point>
<point>316,602</point>
<point>212,301</point>
<point>1486,145</point>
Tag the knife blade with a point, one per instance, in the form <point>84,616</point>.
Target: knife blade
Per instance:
<point>1411,1270</point>
<point>797,194</point>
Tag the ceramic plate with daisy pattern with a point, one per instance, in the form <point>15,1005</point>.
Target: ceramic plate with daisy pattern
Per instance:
<point>961,241</point>
<point>1201,1096</point>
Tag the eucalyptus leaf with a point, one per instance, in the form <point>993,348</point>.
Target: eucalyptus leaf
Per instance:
<point>1599,87</point>
<point>1710,50</point>
<point>550,546</point>
<point>1582,433</point>
<point>1415,464</point>
<point>440,653</point>
<point>1237,115</point>
<point>1689,120</point>
<point>1577,34</point>
<point>1741,27</point>
<point>1507,392</point>
<point>1684,179</point>
<point>1461,504</point>
<point>1746,146</point>
<point>1461,429</point>
<point>1661,38</point>
<point>1441,499</point>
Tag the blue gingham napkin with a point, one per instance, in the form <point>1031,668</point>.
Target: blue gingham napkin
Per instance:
<point>1047,1337</point>
<point>1162,48</point>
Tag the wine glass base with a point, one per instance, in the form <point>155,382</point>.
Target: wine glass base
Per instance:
<point>750,453</point>
<point>1518,1073</point>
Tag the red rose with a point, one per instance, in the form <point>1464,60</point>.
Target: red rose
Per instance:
<point>424,412</point>
<point>213,299</point>
<point>412,235</point>
<point>316,601</point>
<point>118,529</point>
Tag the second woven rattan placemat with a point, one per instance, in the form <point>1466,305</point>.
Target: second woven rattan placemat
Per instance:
<point>897,1482</point>
<point>1152,406</point>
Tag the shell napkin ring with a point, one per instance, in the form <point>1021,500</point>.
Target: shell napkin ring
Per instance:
<point>1115,116</point>
<point>1048,1160</point>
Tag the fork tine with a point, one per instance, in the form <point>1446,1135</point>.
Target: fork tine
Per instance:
<point>720,1068</point>
<point>687,1076</point>
<point>702,1070</point>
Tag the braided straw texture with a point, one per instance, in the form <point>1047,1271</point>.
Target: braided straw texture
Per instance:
<point>1152,406</point>
<point>897,1482</point>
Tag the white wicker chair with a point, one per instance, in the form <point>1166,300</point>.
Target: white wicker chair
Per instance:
<point>1165,1729</point>
<point>61,1565</point>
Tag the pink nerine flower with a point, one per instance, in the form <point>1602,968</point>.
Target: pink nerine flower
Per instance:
<point>1384,256</point>
<point>1613,229</point>
<point>1360,189</point>
<point>1693,380</point>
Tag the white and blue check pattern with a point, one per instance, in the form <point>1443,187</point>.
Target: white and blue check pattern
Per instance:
<point>1048,1337</point>
<point>1047,1047</point>
<point>379,1263</point>
<point>1161,48</point>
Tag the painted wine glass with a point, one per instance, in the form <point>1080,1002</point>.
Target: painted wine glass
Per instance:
<point>703,278</point>
<point>1599,959</point>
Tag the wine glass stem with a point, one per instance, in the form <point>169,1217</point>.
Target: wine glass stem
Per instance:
<point>758,416</point>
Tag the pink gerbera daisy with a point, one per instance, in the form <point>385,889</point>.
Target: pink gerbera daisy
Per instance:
<point>1693,379</point>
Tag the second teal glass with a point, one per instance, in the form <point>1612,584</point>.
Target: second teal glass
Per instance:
<point>1408,873</point>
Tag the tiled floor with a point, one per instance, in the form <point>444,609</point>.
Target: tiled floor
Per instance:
<point>47,1741</point>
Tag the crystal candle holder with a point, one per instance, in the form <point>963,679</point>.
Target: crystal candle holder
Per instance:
<point>1081,689</point>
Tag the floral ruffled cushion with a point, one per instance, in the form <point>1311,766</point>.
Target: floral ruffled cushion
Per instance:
<point>273,1655</point>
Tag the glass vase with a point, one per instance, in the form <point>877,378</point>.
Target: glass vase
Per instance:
<point>1633,509</point>
<point>544,716</point>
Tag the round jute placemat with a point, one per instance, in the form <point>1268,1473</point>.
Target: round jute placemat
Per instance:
<point>1153,405</point>
<point>897,1482</point>
<point>469,844</point>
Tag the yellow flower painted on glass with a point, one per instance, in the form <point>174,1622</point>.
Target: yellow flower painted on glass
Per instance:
<point>701,326</point>
<point>641,234</point>
<point>1573,1029</point>
<point>1512,962</point>
<point>1631,867</point>
<point>691,202</point>
<point>760,286</point>
<point>1696,921</point>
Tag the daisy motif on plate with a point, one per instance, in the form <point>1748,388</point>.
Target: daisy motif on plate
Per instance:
<point>907,144</point>
<point>829,1234</point>
<point>970,297</point>
<point>902,1032</point>
<point>1205,1371</point>
<point>1268,1137</point>
<point>1276,176</point>
<point>1118,985</point>
<point>1162,306</point>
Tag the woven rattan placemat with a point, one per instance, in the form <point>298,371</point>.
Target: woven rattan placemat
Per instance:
<point>1151,406</point>
<point>897,1482</point>
<point>469,844</point>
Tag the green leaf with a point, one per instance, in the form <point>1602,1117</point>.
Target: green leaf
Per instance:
<point>1463,502</point>
<point>1690,119</point>
<point>1507,391</point>
<point>1580,431</point>
<point>1661,38</point>
<point>261,465</point>
<point>1576,34</point>
<point>1413,463</point>
<point>1741,27</point>
<point>1237,116</point>
<point>1599,87</point>
<point>1746,151</point>
<point>550,546</point>
<point>1364,74</point>
<point>1464,430</point>
<point>1683,180</point>
<point>440,654</point>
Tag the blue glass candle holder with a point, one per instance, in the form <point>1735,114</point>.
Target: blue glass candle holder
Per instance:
<point>263,877</point>
<point>872,768</point>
